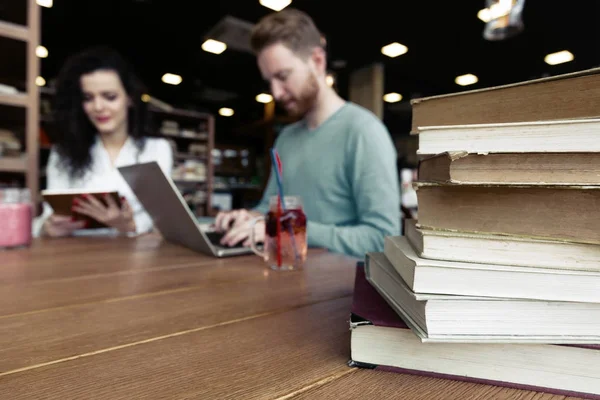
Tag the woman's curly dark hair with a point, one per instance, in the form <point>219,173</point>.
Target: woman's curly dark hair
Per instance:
<point>73,134</point>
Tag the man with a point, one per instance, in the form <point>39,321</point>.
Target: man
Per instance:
<point>339,158</point>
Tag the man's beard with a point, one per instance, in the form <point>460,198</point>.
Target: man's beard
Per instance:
<point>304,102</point>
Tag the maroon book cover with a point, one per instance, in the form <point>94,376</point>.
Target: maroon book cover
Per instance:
<point>368,307</point>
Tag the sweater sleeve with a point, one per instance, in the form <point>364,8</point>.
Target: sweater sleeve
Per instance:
<point>373,175</point>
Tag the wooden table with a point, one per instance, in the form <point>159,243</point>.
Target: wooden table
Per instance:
<point>91,318</point>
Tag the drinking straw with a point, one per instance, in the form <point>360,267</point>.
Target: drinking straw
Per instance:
<point>278,219</point>
<point>278,168</point>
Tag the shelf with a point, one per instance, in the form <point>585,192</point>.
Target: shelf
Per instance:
<point>19,100</point>
<point>19,105</point>
<point>13,164</point>
<point>181,113</point>
<point>187,156</point>
<point>197,139</point>
<point>189,181</point>
<point>14,31</point>
<point>239,186</point>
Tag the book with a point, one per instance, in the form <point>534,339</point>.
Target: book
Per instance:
<point>381,340</point>
<point>438,244</point>
<point>552,212</point>
<point>567,96</point>
<point>461,167</point>
<point>61,202</point>
<point>470,319</point>
<point>560,136</point>
<point>489,280</point>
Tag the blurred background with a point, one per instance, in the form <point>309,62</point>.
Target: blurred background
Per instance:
<point>211,102</point>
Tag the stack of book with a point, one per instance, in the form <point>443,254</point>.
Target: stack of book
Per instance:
<point>499,279</point>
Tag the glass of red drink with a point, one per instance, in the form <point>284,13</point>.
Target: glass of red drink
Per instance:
<point>285,234</point>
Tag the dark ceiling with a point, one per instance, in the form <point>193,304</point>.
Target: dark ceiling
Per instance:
<point>444,39</point>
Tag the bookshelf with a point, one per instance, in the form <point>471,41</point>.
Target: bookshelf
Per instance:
<point>264,132</point>
<point>192,138</point>
<point>236,182</point>
<point>19,103</point>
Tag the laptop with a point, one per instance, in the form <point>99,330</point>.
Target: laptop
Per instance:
<point>170,213</point>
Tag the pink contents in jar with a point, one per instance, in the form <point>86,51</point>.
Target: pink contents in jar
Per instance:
<point>15,218</point>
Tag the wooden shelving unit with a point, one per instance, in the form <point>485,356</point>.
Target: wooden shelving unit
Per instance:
<point>21,33</point>
<point>16,100</point>
<point>16,31</point>
<point>265,131</point>
<point>13,164</point>
<point>193,130</point>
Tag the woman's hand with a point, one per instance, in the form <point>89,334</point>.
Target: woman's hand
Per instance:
<point>61,226</point>
<point>120,218</point>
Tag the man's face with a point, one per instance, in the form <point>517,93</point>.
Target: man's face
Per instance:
<point>293,79</point>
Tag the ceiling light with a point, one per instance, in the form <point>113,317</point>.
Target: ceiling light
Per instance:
<point>467,79</point>
<point>40,81</point>
<point>44,3</point>
<point>41,52</point>
<point>264,98</point>
<point>171,79</point>
<point>559,57</point>
<point>330,80</point>
<point>226,112</point>
<point>214,46</point>
<point>503,19</point>
<point>499,9</point>
<point>484,15</point>
<point>394,49</point>
<point>392,97</point>
<point>276,5</point>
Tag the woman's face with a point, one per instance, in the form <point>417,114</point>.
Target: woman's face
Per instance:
<point>105,100</point>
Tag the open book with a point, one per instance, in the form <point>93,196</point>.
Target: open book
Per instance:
<point>61,202</point>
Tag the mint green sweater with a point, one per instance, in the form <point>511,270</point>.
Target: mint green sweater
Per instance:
<point>345,173</point>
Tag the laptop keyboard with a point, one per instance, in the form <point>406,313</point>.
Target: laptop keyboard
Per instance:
<point>215,239</point>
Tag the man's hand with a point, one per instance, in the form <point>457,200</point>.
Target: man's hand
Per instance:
<point>238,225</point>
<point>61,226</point>
<point>110,214</point>
<point>226,220</point>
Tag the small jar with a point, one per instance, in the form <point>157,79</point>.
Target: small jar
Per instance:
<point>15,218</point>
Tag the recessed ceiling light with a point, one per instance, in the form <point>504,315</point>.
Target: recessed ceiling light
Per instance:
<point>559,57</point>
<point>330,79</point>
<point>276,5</point>
<point>392,97</point>
<point>484,15</point>
<point>41,52</point>
<point>264,98</point>
<point>214,46</point>
<point>40,81</point>
<point>394,49</point>
<point>496,11</point>
<point>171,79</point>
<point>226,112</point>
<point>44,3</point>
<point>467,79</point>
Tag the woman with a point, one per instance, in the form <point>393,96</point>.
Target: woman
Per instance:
<point>101,124</point>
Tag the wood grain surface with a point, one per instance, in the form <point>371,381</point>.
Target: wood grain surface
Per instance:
<point>116,318</point>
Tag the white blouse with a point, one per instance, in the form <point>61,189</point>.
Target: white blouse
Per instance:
<point>103,176</point>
